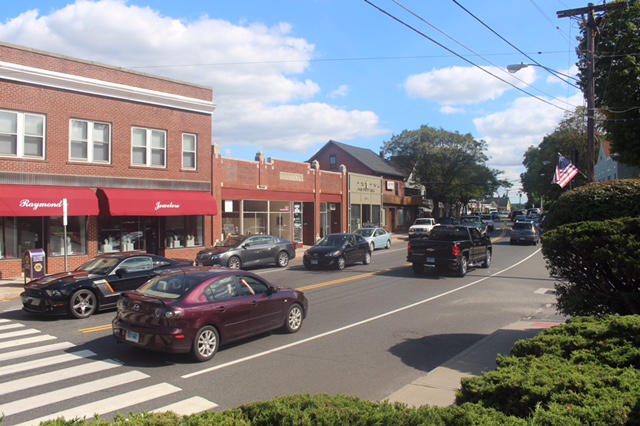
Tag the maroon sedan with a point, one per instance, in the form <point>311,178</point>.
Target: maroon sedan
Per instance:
<point>198,309</point>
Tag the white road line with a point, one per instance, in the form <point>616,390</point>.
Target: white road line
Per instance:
<point>26,341</point>
<point>35,351</point>
<point>45,362</point>
<point>356,324</point>
<point>12,334</point>
<point>70,392</point>
<point>188,406</point>
<point>58,375</point>
<point>12,325</point>
<point>107,405</point>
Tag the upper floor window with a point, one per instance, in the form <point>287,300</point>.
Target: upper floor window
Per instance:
<point>189,148</point>
<point>333,161</point>
<point>90,141</point>
<point>148,147</point>
<point>22,134</point>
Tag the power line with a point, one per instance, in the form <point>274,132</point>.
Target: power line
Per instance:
<point>460,56</point>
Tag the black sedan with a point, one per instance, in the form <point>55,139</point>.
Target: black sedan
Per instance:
<point>337,251</point>
<point>93,286</point>
<point>244,251</point>
<point>198,309</point>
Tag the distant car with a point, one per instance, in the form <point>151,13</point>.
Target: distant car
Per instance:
<point>524,231</point>
<point>337,251</point>
<point>421,227</point>
<point>199,309</point>
<point>95,285</point>
<point>474,221</point>
<point>519,218</point>
<point>244,251</point>
<point>515,213</point>
<point>376,237</point>
<point>488,219</point>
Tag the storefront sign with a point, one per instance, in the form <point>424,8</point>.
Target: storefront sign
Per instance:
<point>28,204</point>
<point>296,177</point>
<point>160,205</point>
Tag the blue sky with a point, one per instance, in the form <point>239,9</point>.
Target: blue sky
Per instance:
<point>290,75</point>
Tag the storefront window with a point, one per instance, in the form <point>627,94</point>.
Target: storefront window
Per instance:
<point>8,238</point>
<point>355,217</point>
<point>280,219</point>
<point>183,231</point>
<point>76,236</point>
<point>230,217</point>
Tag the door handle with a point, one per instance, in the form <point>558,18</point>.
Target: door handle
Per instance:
<point>221,309</point>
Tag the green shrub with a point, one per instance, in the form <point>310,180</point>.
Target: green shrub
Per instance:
<point>596,201</point>
<point>598,262</point>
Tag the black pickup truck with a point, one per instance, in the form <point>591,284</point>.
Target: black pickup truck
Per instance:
<point>450,247</point>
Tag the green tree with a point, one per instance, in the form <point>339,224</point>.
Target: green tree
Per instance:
<point>617,78</point>
<point>449,165</point>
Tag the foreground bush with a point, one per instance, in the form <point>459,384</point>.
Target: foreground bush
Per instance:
<point>598,262</point>
<point>596,201</point>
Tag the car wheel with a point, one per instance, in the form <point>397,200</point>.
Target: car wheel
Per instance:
<point>206,343</point>
<point>283,259</point>
<point>372,246</point>
<point>388,245</point>
<point>367,258</point>
<point>418,268</point>
<point>341,263</point>
<point>234,263</point>
<point>293,322</point>
<point>462,267</point>
<point>487,260</point>
<point>82,304</point>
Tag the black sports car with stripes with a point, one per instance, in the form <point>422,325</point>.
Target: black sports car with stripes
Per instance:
<point>95,285</point>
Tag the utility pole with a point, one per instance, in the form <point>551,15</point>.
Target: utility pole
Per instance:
<point>588,18</point>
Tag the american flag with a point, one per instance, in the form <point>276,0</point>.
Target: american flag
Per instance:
<point>564,172</point>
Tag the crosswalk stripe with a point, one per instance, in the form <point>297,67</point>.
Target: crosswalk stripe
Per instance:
<point>45,362</point>
<point>107,405</point>
<point>188,406</point>
<point>25,404</point>
<point>26,341</point>
<point>35,351</point>
<point>22,332</point>
<point>56,376</point>
<point>10,326</point>
<point>2,320</point>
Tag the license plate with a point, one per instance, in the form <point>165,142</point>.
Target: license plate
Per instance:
<point>431,260</point>
<point>522,238</point>
<point>132,336</point>
<point>314,262</point>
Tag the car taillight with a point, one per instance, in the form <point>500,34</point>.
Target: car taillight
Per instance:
<point>455,251</point>
<point>409,248</point>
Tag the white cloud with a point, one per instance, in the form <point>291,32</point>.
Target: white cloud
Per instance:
<point>341,91</point>
<point>464,85</point>
<point>253,69</point>
<point>447,109</point>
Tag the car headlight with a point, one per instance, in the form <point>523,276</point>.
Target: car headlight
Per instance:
<point>335,253</point>
<point>54,293</point>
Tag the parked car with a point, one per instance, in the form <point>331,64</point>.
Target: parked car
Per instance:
<point>337,251</point>
<point>474,221</point>
<point>376,237</point>
<point>244,251</point>
<point>199,309</point>
<point>524,231</point>
<point>421,227</point>
<point>517,213</point>
<point>95,285</point>
<point>488,219</point>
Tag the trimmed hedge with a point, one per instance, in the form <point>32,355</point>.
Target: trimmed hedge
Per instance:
<point>596,201</point>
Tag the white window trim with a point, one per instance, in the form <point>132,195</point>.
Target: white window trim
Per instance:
<point>90,142</point>
<point>195,151</point>
<point>149,148</point>
<point>20,135</point>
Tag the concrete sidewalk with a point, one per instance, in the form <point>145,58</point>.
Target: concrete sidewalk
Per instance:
<point>438,386</point>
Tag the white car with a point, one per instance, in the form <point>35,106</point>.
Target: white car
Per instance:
<point>422,227</point>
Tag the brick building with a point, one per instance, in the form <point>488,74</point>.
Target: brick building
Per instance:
<point>293,200</point>
<point>376,190</point>
<point>130,152</point>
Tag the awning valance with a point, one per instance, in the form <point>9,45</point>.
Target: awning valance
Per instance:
<point>43,200</point>
<point>147,202</point>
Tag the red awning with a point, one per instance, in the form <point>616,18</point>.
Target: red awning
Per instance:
<point>29,200</point>
<point>147,202</point>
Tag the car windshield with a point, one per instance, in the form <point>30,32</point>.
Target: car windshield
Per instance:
<point>487,217</point>
<point>523,225</point>
<point>171,286</point>
<point>422,222</point>
<point>469,220</point>
<point>332,240</point>
<point>365,232</point>
<point>99,265</point>
<point>233,241</point>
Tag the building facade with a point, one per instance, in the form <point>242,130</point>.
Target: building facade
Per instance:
<point>607,168</point>
<point>95,159</point>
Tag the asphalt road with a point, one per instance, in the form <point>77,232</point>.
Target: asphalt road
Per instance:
<point>371,330</point>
